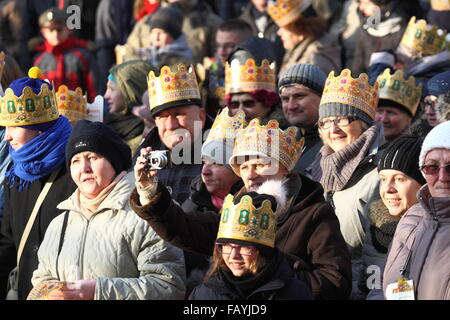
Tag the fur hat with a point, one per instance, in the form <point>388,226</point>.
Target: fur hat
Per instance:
<point>442,107</point>
<point>437,138</point>
<point>99,138</point>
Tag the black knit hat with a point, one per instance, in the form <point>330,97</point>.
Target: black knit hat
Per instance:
<point>170,19</point>
<point>402,154</point>
<point>99,138</point>
<point>307,75</point>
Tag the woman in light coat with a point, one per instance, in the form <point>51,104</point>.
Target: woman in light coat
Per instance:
<point>105,252</point>
<point>346,164</point>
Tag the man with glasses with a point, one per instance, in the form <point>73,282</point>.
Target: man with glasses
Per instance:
<point>419,257</point>
<point>229,34</point>
<point>307,227</point>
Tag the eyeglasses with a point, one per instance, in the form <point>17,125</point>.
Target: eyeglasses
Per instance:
<point>432,169</point>
<point>339,121</point>
<point>242,250</point>
<point>246,104</point>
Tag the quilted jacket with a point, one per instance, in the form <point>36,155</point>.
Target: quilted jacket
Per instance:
<point>127,259</point>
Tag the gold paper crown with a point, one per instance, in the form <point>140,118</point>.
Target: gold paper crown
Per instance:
<point>244,221</point>
<point>268,141</point>
<point>225,127</point>
<point>29,108</point>
<point>405,92</point>
<point>440,5</point>
<point>424,39</point>
<point>284,12</point>
<point>71,104</point>
<point>357,93</point>
<point>249,77</point>
<point>172,87</point>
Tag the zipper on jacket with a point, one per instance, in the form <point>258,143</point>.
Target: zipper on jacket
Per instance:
<point>85,231</point>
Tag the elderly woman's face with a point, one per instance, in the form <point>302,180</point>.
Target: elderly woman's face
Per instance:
<point>91,173</point>
<point>438,183</point>
<point>340,133</point>
<point>398,191</point>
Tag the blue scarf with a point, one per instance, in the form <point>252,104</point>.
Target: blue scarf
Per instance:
<point>40,156</point>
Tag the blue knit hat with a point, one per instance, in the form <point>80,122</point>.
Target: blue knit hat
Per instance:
<point>439,84</point>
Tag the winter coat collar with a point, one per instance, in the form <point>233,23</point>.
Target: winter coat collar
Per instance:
<point>437,208</point>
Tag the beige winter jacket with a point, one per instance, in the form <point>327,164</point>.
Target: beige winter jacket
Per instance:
<point>127,259</point>
<point>423,234</point>
<point>324,53</point>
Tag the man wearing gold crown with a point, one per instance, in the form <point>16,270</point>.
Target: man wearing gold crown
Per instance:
<point>37,135</point>
<point>175,104</point>
<point>398,101</point>
<point>307,229</point>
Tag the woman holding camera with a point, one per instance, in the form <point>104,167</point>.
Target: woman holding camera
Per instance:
<point>99,248</point>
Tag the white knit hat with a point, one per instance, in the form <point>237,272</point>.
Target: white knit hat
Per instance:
<point>437,138</point>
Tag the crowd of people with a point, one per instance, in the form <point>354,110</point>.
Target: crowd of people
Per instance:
<point>252,149</point>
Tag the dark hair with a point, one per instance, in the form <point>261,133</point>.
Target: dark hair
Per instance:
<point>310,27</point>
<point>235,25</point>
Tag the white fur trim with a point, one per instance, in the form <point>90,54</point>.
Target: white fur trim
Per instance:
<point>277,189</point>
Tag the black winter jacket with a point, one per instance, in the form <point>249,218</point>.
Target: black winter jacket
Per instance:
<point>18,208</point>
<point>276,281</point>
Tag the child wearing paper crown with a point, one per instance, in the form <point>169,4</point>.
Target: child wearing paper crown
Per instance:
<point>37,136</point>
<point>246,265</point>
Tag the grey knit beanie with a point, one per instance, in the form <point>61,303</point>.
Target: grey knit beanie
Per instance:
<point>307,75</point>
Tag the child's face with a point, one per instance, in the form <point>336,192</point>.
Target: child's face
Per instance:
<point>160,38</point>
<point>55,34</point>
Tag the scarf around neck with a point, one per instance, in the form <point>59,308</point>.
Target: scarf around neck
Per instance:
<point>90,206</point>
<point>40,156</point>
<point>338,167</point>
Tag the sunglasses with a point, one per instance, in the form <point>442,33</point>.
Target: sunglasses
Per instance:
<point>246,104</point>
<point>433,169</point>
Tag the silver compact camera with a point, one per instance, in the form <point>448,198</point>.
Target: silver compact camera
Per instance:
<point>157,160</point>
